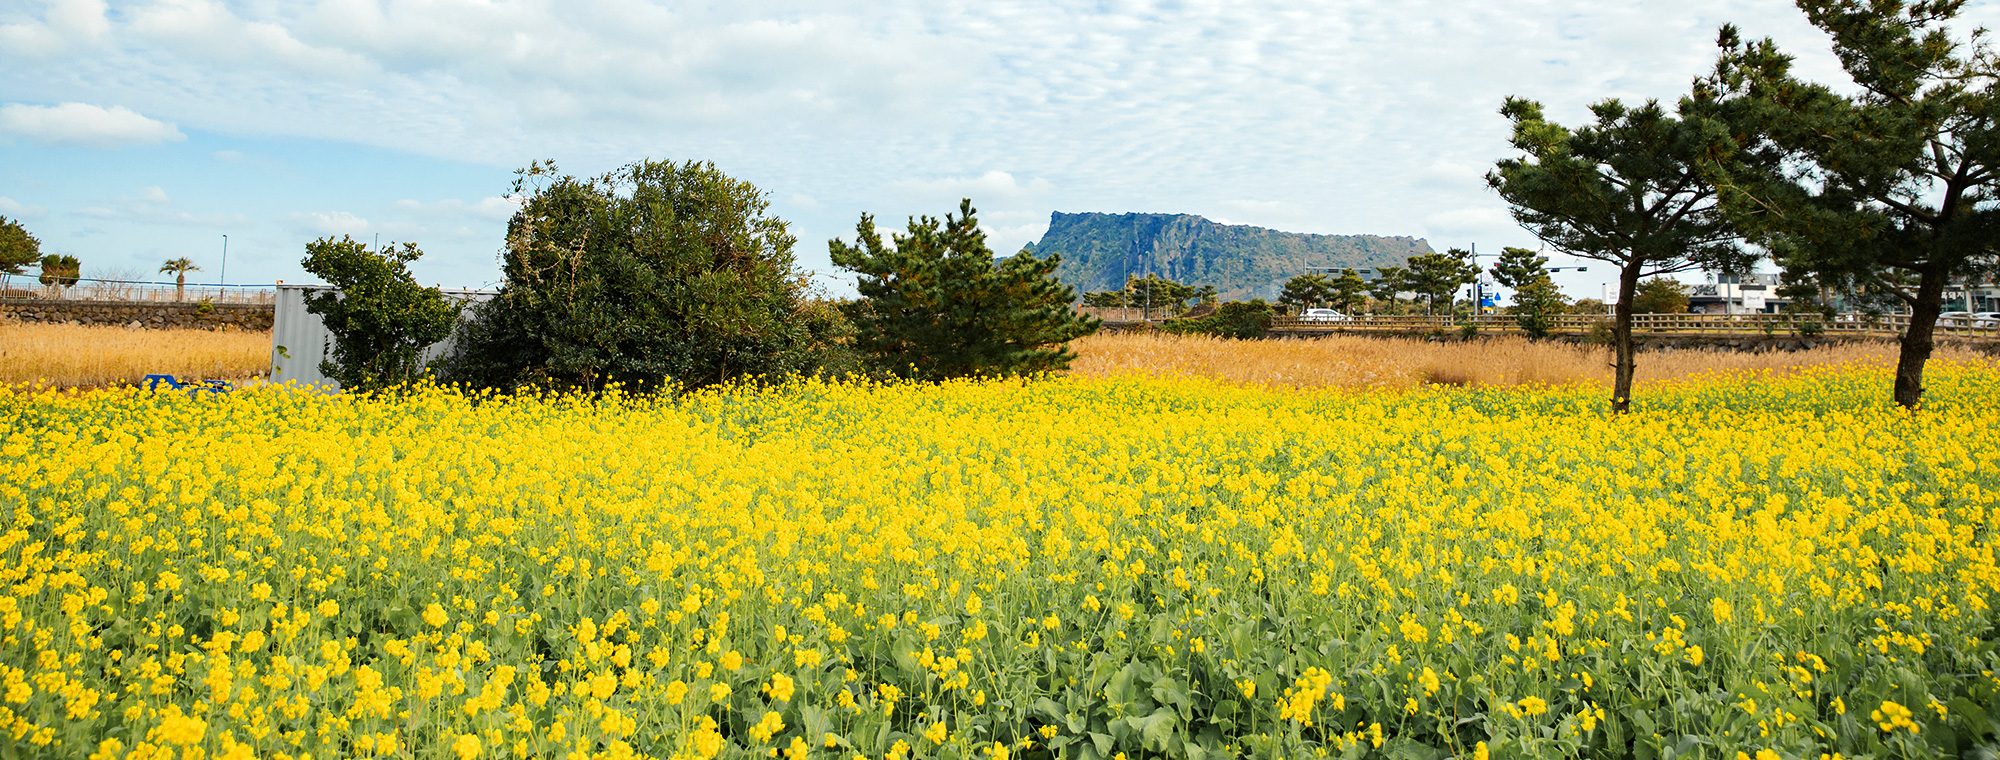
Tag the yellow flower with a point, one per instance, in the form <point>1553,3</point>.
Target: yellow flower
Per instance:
<point>1892,716</point>
<point>435,615</point>
<point>466,746</point>
<point>936,733</point>
<point>732,660</point>
<point>780,688</point>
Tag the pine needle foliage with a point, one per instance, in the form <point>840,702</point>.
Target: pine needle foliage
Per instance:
<point>935,305</point>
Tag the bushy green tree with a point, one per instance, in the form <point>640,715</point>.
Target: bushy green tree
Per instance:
<point>1388,282</point>
<point>1108,298</point>
<point>381,320</point>
<point>1518,267</point>
<point>18,249</point>
<point>1306,291</point>
<point>1348,292</point>
<point>1661,295</point>
<point>1438,276</point>
<point>1627,190</point>
<point>1242,320</point>
<point>1154,292</point>
<point>1536,304</point>
<point>655,276</point>
<point>936,305</point>
<point>60,270</point>
<point>1889,185</point>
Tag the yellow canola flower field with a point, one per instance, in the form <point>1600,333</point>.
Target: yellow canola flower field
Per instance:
<point>1078,568</point>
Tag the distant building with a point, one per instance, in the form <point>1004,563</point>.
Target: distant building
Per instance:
<point>1753,293</point>
<point>1742,293</point>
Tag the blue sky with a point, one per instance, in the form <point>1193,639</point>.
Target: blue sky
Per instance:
<point>135,132</point>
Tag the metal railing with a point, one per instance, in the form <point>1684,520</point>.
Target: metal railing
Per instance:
<point>1717,324</point>
<point>28,287</point>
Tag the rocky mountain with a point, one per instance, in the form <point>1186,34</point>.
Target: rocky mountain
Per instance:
<point>1099,251</point>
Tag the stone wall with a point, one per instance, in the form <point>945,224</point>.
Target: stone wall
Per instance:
<point>144,314</point>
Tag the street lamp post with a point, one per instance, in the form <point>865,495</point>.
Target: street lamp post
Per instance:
<point>223,276</point>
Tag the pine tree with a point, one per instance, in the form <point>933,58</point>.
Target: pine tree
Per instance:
<point>1889,189</point>
<point>1627,190</point>
<point>18,249</point>
<point>1536,303</point>
<point>1438,276</point>
<point>1306,291</point>
<point>1348,291</point>
<point>1518,267</point>
<point>936,305</point>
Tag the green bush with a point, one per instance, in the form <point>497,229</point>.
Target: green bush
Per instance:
<point>381,320</point>
<point>655,276</point>
<point>1243,320</point>
<point>936,305</point>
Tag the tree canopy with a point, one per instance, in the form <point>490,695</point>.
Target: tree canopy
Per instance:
<point>381,320</point>
<point>1628,190</point>
<point>1888,188</point>
<point>1518,267</point>
<point>1306,291</point>
<point>1661,295</point>
<point>936,305</point>
<point>18,249</point>
<point>658,275</point>
<point>60,270</point>
<point>1438,276</point>
<point>1348,292</point>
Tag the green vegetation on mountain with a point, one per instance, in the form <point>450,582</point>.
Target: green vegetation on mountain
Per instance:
<point>1102,251</point>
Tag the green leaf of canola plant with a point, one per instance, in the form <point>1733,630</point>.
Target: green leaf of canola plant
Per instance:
<point>1103,742</point>
<point>1156,730</point>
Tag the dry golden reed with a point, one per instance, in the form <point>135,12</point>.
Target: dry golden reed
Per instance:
<point>1366,362</point>
<point>70,356</point>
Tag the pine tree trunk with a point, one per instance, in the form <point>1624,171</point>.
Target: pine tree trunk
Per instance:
<point>1621,337</point>
<point>1917,342</point>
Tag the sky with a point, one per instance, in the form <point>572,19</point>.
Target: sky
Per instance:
<point>131,133</point>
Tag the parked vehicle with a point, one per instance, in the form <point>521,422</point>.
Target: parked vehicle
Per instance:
<point>1986,319</point>
<point>1323,315</point>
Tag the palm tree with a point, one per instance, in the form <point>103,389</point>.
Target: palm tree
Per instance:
<point>180,267</point>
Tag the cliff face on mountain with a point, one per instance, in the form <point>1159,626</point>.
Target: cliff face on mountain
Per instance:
<point>1099,251</point>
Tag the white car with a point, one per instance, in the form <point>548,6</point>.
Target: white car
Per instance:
<point>1322,315</point>
<point>1986,319</point>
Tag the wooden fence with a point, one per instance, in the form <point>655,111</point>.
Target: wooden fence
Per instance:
<point>1694,324</point>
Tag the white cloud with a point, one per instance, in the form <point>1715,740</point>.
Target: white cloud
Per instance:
<point>153,206</point>
<point>326,223</point>
<point>1337,116</point>
<point>84,125</point>
<point>19,210</point>
<point>992,187</point>
<point>494,208</point>
<point>68,24</point>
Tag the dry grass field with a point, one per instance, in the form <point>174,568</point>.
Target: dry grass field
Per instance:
<point>1365,362</point>
<point>71,356</point>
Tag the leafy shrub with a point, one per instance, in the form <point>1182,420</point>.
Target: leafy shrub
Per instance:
<point>381,320</point>
<point>936,305</point>
<point>1243,320</point>
<point>655,276</point>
